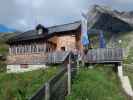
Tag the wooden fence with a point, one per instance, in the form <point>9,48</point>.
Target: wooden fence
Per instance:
<point>57,87</point>
<point>107,55</point>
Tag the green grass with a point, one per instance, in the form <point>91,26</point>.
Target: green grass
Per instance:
<point>126,39</point>
<point>24,85</point>
<point>129,59</point>
<point>128,71</point>
<point>3,47</point>
<point>96,84</point>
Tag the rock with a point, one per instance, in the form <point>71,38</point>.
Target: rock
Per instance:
<point>103,18</point>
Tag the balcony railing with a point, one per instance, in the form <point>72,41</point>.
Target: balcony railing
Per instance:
<point>107,55</point>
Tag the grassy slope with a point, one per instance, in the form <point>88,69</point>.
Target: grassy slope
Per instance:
<point>21,86</point>
<point>127,42</point>
<point>129,59</point>
<point>3,38</point>
<point>4,48</point>
<point>128,69</point>
<point>3,51</point>
<point>96,84</point>
<point>129,73</point>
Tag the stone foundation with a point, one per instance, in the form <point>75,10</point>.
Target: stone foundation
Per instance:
<point>31,59</point>
<point>24,68</point>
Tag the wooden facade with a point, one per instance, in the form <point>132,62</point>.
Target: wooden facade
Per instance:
<point>34,49</point>
<point>37,46</point>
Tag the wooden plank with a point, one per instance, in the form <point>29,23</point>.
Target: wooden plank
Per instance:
<point>47,91</point>
<point>69,79</point>
<point>58,76</point>
<point>59,90</point>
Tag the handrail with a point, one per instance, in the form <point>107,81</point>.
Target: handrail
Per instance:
<point>57,57</point>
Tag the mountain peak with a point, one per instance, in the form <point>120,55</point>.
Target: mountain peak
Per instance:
<point>126,16</point>
<point>107,19</point>
<point>100,8</point>
<point>5,29</point>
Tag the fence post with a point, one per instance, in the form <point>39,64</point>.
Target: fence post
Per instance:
<point>69,76</point>
<point>78,65</point>
<point>47,91</point>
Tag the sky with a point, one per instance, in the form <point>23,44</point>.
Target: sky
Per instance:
<point>26,14</point>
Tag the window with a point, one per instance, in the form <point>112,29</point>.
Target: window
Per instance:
<point>40,31</point>
<point>27,49</point>
<point>46,49</point>
<point>21,51</point>
<point>17,52</point>
<point>63,48</point>
<point>24,49</point>
<point>35,48</point>
<point>32,48</point>
<point>40,48</point>
<point>14,50</point>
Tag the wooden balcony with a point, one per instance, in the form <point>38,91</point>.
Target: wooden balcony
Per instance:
<point>107,55</point>
<point>94,56</point>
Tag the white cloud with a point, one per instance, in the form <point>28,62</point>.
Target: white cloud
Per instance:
<point>37,3</point>
<point>22,22</point>
<point>22,2</point>
<point>25,14</point>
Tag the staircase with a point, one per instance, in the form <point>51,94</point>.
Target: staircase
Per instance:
<point>57,57</point>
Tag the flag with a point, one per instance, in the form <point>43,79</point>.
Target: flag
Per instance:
<point>102,40</point>
<point>84,16</point>
<point>84,28</point>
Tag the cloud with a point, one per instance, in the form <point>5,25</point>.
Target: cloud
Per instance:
<point>123,1</point>
<point>124,5</point>
<point>25,14</point>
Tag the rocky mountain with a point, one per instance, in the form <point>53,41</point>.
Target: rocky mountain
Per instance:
<point>104,18</point>
<point>125,16</point>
